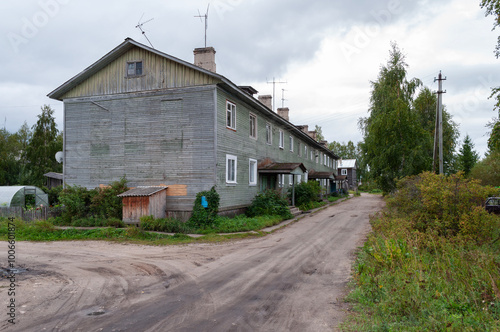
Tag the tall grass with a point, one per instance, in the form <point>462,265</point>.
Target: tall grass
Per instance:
<point>432,262</point>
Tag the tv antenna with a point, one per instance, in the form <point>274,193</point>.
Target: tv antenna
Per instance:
<point>274,82</point>
<point>206,22</point>
<point>283,98</point>
<point>139,26</point>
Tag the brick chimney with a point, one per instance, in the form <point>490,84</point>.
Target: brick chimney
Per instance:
<point>283,112</point>
<point>267,100</point>
<point>205,58</point>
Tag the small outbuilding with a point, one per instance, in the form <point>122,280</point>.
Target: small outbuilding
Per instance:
<point>144,201</point>
<point>54,179</point>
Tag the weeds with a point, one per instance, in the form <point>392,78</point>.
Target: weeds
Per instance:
<point>429,266</point>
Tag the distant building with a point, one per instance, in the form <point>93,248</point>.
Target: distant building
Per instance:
<point>348,168</point>
<point>161,121</point>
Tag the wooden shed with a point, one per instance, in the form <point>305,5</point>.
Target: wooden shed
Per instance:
<point>144,201</point>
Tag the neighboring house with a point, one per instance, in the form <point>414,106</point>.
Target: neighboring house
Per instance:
<point>54,179</point>
<point>161,121</point>
<point>347,168</point>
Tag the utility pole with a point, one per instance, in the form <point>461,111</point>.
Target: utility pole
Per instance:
<point>274,82</point>
<point>438,138</point>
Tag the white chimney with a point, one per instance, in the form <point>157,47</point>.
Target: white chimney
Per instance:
<point>205,58</point>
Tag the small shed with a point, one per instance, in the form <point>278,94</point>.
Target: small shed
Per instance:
<point>54,179</point>
<point>144,201</point>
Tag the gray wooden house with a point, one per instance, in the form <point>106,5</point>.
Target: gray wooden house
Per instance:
<point>348,168</point>
<point>159,120</point>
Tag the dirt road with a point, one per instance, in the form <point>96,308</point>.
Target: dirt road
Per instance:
<point>290,280</point>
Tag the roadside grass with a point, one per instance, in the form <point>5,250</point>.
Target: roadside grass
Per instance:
<point>434,269</point>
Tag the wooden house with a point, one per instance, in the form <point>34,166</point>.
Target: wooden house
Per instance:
<point>159,120</point>
<point>347,168</point>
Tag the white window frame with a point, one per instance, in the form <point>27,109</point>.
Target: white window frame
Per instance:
<point>253,126</point>
<point>290,140</point>
<point>234,178</point>
<point>269,133</point>
<point>281,180</point>
<point>282,140</point>
<point>312,154</point>
<point>230,115</point>
<point>290,179</point>
<point>343,171</point>
<point>252,172</point>
<point>305,151</point>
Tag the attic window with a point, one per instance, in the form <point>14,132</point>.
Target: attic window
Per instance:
<point>134,68</point>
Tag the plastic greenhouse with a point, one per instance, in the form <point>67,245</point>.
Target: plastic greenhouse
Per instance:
<point>11,196</point>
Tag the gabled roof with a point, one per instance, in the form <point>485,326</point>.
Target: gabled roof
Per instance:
<point>54,175</point>
<point>142,191</point>
<point>347,163</point>
<point>283,168</point>
<point>129,44</point>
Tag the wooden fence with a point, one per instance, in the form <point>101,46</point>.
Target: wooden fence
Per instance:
<point>41,213</point>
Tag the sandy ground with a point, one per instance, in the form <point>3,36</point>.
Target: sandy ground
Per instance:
<point>291,280</point>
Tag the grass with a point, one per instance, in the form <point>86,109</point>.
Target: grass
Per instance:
<point>445,277</point>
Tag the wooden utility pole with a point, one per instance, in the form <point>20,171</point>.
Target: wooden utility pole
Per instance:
<point>438,137</point>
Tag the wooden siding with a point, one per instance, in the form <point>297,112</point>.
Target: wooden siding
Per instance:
<point>238,143</point>
<point>158,73</point>
<point>136,207</point>
<point>164,138</point>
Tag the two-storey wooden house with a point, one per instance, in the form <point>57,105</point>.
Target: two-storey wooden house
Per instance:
<point>159,120</point>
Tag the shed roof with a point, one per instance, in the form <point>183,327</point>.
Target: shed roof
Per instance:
<point>142,191</point>
<point>283,168</point>
<point>54,175</point>
<point>347,163</point>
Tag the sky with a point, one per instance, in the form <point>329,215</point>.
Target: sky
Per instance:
<point>327,52</point>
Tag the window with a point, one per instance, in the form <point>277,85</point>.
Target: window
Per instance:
<point>312,155</point>
<point>305,151</point>
<point>299,150</point>
<point>231,162</point>
<point>252,172</point>
<point>269,134</point>
<point>134,68</point>
<point>290,179</point>
<point>282,139</point>
<point>230,115</point>
<point>291,143</point>
<point>343,172</point>
<point>281,180</point>
<point>253,125</point>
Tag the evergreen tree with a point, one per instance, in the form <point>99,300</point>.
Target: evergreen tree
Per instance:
<point>42,148</point>
<point>467,157</point>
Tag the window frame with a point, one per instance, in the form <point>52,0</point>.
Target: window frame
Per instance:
<point>282,140</point>
<point>290,140</point>
<point>252,172</point>
<point>231,109</point>
<point>343,171</point>
<point>253,126</point>
<point>235,171</point>
<point>269,133</point>
<point>135,74</point>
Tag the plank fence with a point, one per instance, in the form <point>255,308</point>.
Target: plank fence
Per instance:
<point>41,213</point>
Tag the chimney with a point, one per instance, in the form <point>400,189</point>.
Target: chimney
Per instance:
<point>312,133</point>
<point>267,100</point>
<point>205,58</point>
<point>283,112</point>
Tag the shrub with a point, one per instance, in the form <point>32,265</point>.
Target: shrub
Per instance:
<point>76,200</point>
<point>205,216</point>
<point>106,203</point>
<point>53,194</point>
<point>306,192</point>
<point>269,203</point>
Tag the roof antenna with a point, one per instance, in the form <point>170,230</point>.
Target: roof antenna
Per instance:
<point>206,22</point>
<point>139,26</point>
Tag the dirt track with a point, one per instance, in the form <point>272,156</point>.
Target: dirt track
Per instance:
<point>291,280</point>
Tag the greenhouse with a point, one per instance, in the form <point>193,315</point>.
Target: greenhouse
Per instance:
<point>11,196</point>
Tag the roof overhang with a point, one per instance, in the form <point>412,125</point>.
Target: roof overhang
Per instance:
<point>321,175</point>
<point>142,191</point>
<point>283,168</point>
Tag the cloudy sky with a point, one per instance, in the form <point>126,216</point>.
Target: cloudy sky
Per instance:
<point>327,51</point>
